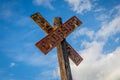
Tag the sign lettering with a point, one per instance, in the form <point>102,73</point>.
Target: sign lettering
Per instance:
<point>42,22</point>
<point>60,33</point>
<point>75,57</point>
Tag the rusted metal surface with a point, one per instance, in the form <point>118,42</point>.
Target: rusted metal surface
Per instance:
<point>40,20</point>
<point>74,56</point>
<point>65,70</point>
<point>55,37</point>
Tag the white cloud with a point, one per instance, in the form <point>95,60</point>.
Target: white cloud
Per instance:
<point>99,9</point>
<point>34,59</point>
<point>46,3</point>
<point>56,73</point>
<point>105,14</point>
<point>10,13</point>
<point>23,21</point>
<point>93,48</point>
<point>110,24</point>
<point>50,74</point>
<point>115,11</point>
<point>37,60</point>
<point>96,65</point>
<point>102,17</point>
<point>117,40</point>
<point>79,6</point>
<point>12,64</point>
<point>109,29</point>
<point>6,9</point>
<point>84,31</point>
<point>6,14</point>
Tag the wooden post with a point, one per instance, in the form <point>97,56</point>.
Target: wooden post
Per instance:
<point>65,70</point>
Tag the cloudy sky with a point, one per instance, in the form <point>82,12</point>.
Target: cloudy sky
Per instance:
<point>97,40</point>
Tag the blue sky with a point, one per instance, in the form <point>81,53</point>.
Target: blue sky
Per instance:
<point>97,40</point>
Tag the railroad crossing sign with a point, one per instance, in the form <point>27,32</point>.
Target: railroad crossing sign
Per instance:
<point>56,35</point>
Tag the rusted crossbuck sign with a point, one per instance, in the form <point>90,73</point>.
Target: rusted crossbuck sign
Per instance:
<point>55,37</point>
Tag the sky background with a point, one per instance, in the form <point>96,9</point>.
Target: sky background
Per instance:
<point>97,40</point>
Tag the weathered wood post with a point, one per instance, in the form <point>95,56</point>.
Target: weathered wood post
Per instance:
<point>63,59</point>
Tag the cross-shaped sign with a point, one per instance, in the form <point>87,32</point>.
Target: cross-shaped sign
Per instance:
<point>56,35</point>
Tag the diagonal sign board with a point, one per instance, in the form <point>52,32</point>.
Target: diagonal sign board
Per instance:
<point>75,57</point>
<point>42,22</point>
<point>55,37</point>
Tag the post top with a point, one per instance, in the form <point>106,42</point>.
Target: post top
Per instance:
<point>57,21</point>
